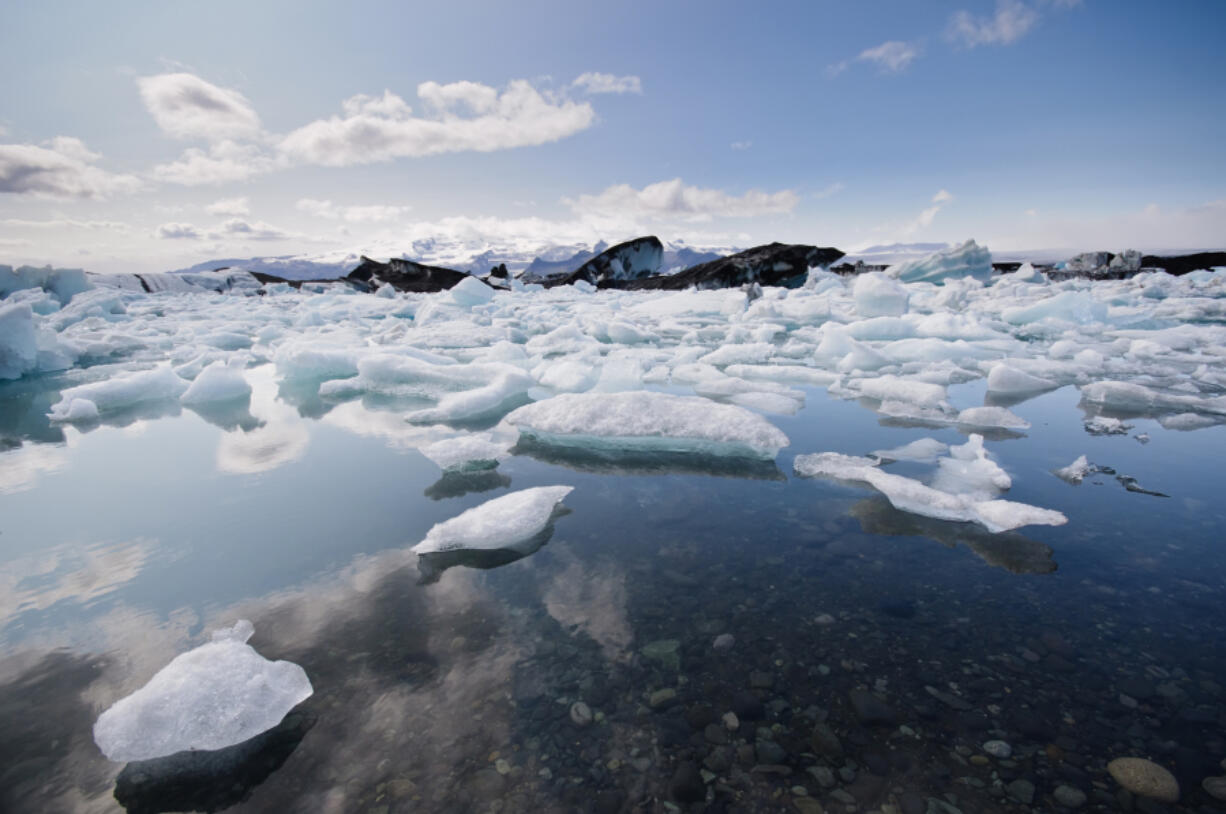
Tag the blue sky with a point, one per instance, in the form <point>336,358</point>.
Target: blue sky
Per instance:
<point>154,135</point>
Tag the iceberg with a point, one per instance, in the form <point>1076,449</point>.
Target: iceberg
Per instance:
<point>650,421</point>
<point>217,382</point>
<point>18,342</point>
<point>967,260</point>
<point>467,453</point>
<point>879,295</point>
<point>158,384</point>
<point>213,696</point>
<point>497,524</point>
<point>1076,471</point>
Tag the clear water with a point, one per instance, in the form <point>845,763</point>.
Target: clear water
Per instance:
<point>448,686</point>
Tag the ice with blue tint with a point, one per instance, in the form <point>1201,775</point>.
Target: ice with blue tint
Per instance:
<point>966,260</point>
<point>213,696</point>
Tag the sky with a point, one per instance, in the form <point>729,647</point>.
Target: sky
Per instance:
<point>153,136</point>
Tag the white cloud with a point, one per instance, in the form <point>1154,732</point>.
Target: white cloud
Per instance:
<point>830,190</point>
<point>1012,21</point>
<point>229,207</point>
<point>224,162</point>
<point>237,227</point>
<point>925,218</point>
<point>675,199</point>
<point>890,57</point>
<point>372,213</point>
<point>466,116</point>
<point>62,169</point>
<point>65,223</point>
<point>178,231</point>
<point>741,145</point>
<point>608,83</point>
<point>187,107</point>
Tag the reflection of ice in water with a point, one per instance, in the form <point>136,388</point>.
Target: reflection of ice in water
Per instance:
<point>283,438</point>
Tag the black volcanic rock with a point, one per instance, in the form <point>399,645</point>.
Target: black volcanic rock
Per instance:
<point>773,264</point>
<point>1183,263</point>
<point>633,260</point>
<point>407,275</point>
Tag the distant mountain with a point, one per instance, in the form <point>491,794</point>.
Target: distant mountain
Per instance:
<point>287,267</point>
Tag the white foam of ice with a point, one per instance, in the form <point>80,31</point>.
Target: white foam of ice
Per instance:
<point>499,523</point>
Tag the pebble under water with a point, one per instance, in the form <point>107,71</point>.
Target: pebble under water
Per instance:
<point>693,634</point>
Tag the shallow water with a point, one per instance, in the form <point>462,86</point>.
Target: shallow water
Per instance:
<point>448,685</point>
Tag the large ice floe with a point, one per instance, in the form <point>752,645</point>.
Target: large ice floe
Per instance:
<point>216,695</point>
<point>669,380</point>
<point>963,488</point>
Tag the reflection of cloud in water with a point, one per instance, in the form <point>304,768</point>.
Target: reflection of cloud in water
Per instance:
<point>21,468</point>
<point>68,574</point>
<point>390,427</point>
<point>283,438</point>
<point>592,600</point>
<point>1009,550</point>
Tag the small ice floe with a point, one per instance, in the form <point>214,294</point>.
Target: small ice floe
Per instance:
<point>213,696</point>
<point>499,523</point>
<point>924,450</point>
<point>963,489</point>
<point>158,384</point>
<point>1103,425</point>
<point>217,383</point>
<point>1076,471</point>
<point>646,420</point>
<point>467,453</point>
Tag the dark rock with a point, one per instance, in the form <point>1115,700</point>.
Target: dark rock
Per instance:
<point>714,733</point>
<point>772,264</point>
<point>825,743</point>
<point>633,260</point>
<point>699,716</point>
<point>1022,791</point>
<point>686,785</point>
<point>747,706</point>
<point>912,802</point>
<point>870,709</point>
<point>718,760</point>
<point>1183,263</point>
<point>1136,686</point>
<point>769,752</point>
<point>609,801</point>
<point>407,275</point>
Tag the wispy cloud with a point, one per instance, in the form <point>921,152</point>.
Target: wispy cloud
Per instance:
<point>893,56</point>
<point>676,200</point>
<point>61,168</point>
<point>607,83</point>
<point>178,231</point>
<point>65,223</point>
<point>1012,21</point>
<point>230,207</point>
<point>187,107</point>
<point>369,213</point>
<point>926,217</point>
<point>830,190</point>
<point>741,145</point>
<point>224,162</point>
<point>232,229</point>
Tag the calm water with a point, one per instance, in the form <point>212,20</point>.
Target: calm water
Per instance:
<point>449,685</point>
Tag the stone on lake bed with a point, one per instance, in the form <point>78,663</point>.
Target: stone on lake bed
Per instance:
<point>1145,778</point>
<point>1215,787</point>
<point>1069,797</point>
<point>580,713</point>
<point>662,698</point>
<point>724,641</point>
<point>998,749</point>
<point>663,651</point>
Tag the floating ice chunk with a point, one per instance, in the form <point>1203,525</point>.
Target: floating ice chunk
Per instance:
<point>1133,396</point>
<point>314,360</point>
<point>625,333</point>
<point>482,401</point>
<point>18,341</point>
<point>217,382</point>
<point>567,376</point>
<point>909,495</point>
<point>790,374</point>
<point>1008,380</point>
<point>80,410</point>
<point>470,291</point>
<point>467,453</point>
<point>1070,306</point>
<point>739,354</point>
<point>924,450</point>
<point>649,420</point>
<point>968,471</point>
<point>63,283</point>
<point>1076,471</point>
<point>216,695</point>
<point>499,523</point>
<point>967,260</point>
<point>992,418</point>
<point>893,388</point>
<point>1104,425</point>
<point>768,402</point>
<point>158,384</point>
<point>878,295</point>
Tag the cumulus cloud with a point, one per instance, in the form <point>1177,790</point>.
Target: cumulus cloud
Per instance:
<point>178,231</point>
<point>233,207</point>
<point>224,162</point>
<point>1012,21</point>
<point>61,168</point>
<point>607,83</point>
<point>371,213</point>
<point>237,227</point>
<point>463,116</point>
<point>187,107</point>
<point>676,200</point>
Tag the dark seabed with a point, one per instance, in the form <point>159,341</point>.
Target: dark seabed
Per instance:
<point>864,657</point>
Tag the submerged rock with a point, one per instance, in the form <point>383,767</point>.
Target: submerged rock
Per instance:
<point>1145,778</point>
<point>776,264</point>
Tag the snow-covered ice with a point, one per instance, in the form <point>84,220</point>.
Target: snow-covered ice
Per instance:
<point>216,695</point>
<point>499,523</point>
<point>217,382</point>
<point>124,391</point>
<point>649,420</point>
<point>467,453</point>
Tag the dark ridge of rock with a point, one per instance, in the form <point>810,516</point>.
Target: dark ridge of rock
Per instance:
<point>407,275</point>
<point>1183,263</point>
<point>499,271</point>
<point>773,264</point>
<point>633,260</point>
<point>266,279</point>
<point>541,270</point>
